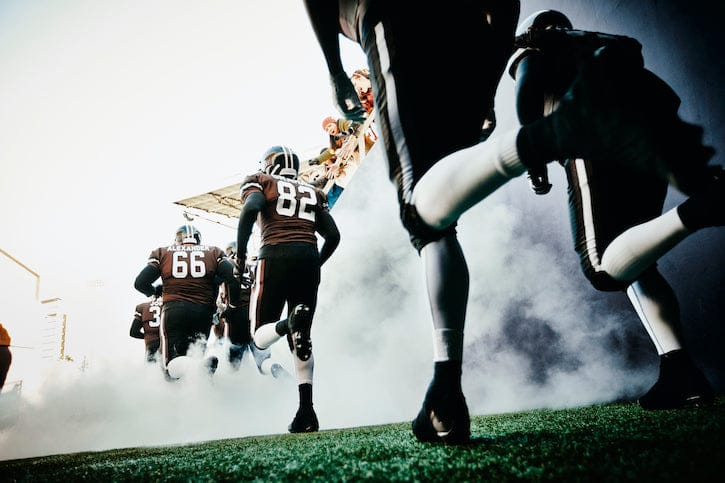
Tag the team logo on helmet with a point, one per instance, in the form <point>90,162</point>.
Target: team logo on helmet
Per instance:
<point>187,234</point>
<point>281,161</point>
<point>544,19</point>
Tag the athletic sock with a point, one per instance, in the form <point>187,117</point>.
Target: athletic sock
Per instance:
<point>305,395</point>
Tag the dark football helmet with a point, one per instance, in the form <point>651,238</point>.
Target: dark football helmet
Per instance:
<point>544,19</point>
<point>188,234</point>
<point>281,161</point>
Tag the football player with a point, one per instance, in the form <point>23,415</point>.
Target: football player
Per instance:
<point>608,200</point>
<point>235,325</point>
<point>441,169</point>
<point>145,325</point>
<point>290,213</point>
<point>187,270</point>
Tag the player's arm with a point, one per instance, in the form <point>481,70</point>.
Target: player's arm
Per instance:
<point>530,95</point>
<point>324,17</point>
<point>145,281</point>
<point>136,328</point>
<point>225,270</point>
<point>530,87</point>
<point>327,228</point>
<point>253,204</point>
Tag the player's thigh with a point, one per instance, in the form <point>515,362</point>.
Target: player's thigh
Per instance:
<point>270,291</point>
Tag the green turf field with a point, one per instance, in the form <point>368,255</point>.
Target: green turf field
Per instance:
<point>612,442</point>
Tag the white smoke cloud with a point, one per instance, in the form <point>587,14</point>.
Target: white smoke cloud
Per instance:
<point>535,337</point>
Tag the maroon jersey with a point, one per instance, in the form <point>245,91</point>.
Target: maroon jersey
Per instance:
<point>187,272</point>
<point>290,211</point>
<point>149,315</point>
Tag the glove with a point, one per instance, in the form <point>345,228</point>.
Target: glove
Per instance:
<point>158,289</point>
<point>346,99</point>
<point>229,313</point>
<point>539,181</point>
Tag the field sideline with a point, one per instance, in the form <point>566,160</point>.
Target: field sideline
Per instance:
<point>609,442</point>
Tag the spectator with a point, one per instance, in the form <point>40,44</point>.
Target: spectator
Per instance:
<point>342,158</point>
<point>364,88</point>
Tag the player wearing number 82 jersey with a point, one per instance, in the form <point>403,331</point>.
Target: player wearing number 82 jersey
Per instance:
<point>289,213</point>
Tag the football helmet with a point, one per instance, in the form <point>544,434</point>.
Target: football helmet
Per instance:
<point>281,161</point>
<point>188,234</point>
<point>543,20</point>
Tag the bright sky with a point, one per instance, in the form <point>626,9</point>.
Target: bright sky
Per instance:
<point>113,110</point>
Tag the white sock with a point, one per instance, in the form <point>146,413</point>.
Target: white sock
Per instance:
<point>463,178</point>
<point>447,345</point>
<point>266,335</point>
<point>304,369</point>
<point>657,310</point>
<point>639,247</point>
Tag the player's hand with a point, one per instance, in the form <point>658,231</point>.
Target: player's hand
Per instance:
<point>346,99</point>
<point>539,181</point>
<point>229,313</point>
<point>158,290</point>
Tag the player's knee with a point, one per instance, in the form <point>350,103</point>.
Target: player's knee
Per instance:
<point>420,232</point>
<point>604,282</point>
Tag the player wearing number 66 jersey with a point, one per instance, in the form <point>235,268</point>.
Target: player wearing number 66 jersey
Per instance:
<point>289,213</point>
<point>187,270</point>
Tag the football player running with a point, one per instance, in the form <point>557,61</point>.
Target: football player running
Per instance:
<point>234,325</point>
<point>188,272</point>
<point>441,169</point>
<point>616,210</point>
<point>145,325</point>
<point>290,213</point>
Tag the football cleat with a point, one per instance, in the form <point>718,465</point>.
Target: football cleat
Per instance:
<point>260,356</point>
<point>279,372</point>
<point>299,323</point>
<point>443,418</point>
<point>236,355</point>
<point>680,384</point>
<point>211,364</point>
<point>305,421</point>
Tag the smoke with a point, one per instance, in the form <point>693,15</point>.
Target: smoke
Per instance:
<point>536,336</point>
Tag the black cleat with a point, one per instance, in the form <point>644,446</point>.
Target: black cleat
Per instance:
<point>305,421</point>
<point>211,364</point>
<point>680,385</point>
<point>443,418</point>
<point>299,323</point>
<point>279,372</point>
